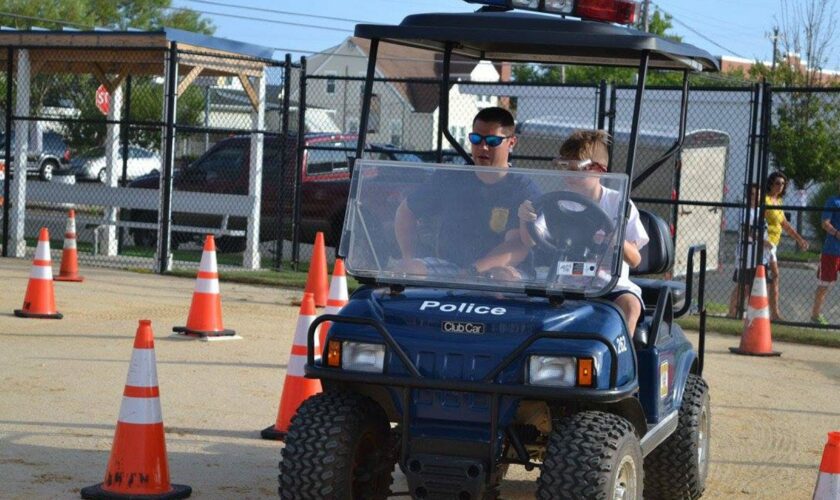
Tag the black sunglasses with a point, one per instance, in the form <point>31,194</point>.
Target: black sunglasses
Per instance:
<point>493,141</point>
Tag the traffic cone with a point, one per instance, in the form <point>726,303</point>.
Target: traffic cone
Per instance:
<point>316,280</point>
<point>828,479</point>
<point>205,317</point>
<point>756,339</point>
<point>337,298</point>
<point>69,259</point>
<point>138,467</point>
<point>39,301</point>
<point>296,388</point>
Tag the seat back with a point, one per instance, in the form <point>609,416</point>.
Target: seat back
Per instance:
<point>658,254</point>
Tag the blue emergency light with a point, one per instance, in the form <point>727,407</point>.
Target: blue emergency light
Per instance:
<point>613,11</point>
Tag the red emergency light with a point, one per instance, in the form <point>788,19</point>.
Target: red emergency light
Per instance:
<point>614,11</point>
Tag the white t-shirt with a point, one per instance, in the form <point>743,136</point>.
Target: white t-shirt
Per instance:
<point>634,232</point>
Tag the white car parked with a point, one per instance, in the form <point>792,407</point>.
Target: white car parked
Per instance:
<point>90,165</point>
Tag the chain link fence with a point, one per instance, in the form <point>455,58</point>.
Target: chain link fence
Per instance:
<point>735,136</point>
<point>95,127</point>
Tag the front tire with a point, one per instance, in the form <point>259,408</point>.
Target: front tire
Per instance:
<point>594,455</point>
<point>678,468</point>
<point>337,447</point>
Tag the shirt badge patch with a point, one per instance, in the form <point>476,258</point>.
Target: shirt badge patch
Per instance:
<point>499,219</point>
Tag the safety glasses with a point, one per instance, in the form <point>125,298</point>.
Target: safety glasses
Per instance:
<point>578,165</point>
<point>492,141</point>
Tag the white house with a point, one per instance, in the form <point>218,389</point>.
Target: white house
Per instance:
<point>403,113</point>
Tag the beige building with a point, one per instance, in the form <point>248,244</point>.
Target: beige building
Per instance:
<point>403,113</point>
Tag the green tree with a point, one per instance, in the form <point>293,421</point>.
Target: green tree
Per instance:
<point>659,24</point>
<point>804,136</point>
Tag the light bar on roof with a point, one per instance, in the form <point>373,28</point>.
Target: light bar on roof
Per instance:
<point>611,11</point>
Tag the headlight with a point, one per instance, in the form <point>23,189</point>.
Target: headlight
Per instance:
<point>552,371</point>
<point>361,357</point>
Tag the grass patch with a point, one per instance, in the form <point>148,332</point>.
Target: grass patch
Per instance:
<point>735,327</point>
<point>806,256</point>
<point>716,308</point>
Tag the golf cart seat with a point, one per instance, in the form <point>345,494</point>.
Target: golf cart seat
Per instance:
<point>657,258</point>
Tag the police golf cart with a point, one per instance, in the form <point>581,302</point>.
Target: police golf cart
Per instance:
<point>454,376</point>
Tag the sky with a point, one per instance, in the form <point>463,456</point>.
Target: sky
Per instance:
<point>740,28</point>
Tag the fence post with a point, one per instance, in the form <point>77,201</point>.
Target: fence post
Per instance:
<point>7,153</point>
<point>112,145</point>
<point>165,213</point>
<point>284,143</point>
<point>299,166</point>
<point>251,259</point>
<point>18,195</point>
<point>602,104</point>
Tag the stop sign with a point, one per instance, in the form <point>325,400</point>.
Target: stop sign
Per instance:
<point>103,99</point>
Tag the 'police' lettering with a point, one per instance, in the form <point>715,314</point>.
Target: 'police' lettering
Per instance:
<point>463,307</point>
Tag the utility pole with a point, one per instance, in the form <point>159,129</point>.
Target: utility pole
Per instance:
<point>646,16</point>
<point>775,38</point>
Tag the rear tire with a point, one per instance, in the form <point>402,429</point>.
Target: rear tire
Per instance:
<point>678,468</point>
<point>337,447</point>
<point>48,168</point>
<point>594,455</point>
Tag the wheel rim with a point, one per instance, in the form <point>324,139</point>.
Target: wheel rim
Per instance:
<point>101,176</point>
<point>48,170</point>
<point>625,481</point>
<point>703,441</point>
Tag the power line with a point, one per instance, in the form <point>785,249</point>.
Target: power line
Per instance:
<point>701,35</point>
<point>274,11</point>
<point>249,18</point>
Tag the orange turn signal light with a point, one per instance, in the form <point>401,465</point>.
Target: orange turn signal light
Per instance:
<point>334,353</point>
<point>585,372</point>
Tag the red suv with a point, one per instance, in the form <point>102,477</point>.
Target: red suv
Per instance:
<point>224,168</point>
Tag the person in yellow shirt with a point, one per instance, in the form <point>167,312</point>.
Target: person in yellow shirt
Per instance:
<point>776,222</point>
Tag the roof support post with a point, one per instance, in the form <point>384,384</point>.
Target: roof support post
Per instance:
<point>251,259</point>
<point>170,102</point>
<point>637,114</point>
<point>108,243</point>
<point>368,92</point>
<point>21,128</point>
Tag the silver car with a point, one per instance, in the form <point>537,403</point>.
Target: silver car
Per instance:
<point>91,164</point>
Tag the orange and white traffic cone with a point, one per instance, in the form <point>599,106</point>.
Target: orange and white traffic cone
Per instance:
<point>757,339</point>
<point>205,317</point>
<point>39,301</point>
<point>337,298</point>
<point>316,280</point>
<point>69,258</point>
<point>296,388</point>
<point>828,480</point>
<point>138,467</point>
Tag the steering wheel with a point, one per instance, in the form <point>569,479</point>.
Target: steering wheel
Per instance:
<point>571,233</point>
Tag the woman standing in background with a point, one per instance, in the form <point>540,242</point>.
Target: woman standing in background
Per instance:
<point>776,187</point>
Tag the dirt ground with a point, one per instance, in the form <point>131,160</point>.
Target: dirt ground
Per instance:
<point>61,384</point>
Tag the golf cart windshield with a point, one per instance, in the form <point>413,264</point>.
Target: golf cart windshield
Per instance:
<point>465,229</point>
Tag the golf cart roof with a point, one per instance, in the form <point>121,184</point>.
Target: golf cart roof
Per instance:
<point>525,37</point>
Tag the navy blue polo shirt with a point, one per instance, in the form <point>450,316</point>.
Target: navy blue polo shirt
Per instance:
<point>832,244</point>
<point>473,216</point>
